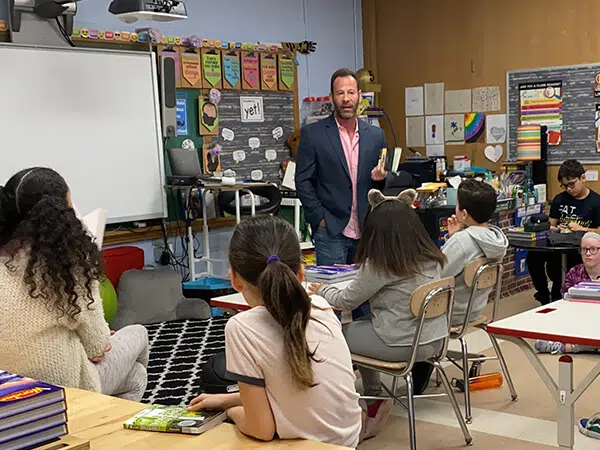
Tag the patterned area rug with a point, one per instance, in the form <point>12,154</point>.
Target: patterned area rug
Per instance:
<point>177,352</point>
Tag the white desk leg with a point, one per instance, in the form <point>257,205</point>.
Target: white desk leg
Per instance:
<point>297,216</point>
<point>237,206</point>
<point>252,201</point>
<point>564,267</point>
<point>191,256</point>
<point>566,405</point>
<point>209,267</point>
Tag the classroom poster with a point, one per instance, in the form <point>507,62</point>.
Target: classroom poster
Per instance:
<point>541,104</point>
<point>181,115</point>
<point>597,123</point>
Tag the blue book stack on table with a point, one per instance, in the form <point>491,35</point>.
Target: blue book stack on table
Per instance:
<point>32,413</point>
<point>330,274</point>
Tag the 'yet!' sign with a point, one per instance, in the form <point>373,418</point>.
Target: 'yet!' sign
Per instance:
<point>252,109</point>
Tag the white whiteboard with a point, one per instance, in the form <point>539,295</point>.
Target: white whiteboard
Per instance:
<point>94,117</point>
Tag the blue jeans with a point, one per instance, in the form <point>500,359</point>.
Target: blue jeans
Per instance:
<point>337,250</point>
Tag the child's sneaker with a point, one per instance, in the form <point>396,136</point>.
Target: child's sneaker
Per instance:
<point>550,347</point>
<point>590,427</point>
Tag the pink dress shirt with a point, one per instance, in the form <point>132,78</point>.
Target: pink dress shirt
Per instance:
<point>350,146</point>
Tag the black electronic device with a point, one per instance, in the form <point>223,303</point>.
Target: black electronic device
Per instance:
<point>422,169</point>
<point>181,180</point>
<point>536,223</point>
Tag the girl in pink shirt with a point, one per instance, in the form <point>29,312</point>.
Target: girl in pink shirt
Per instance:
<point>287,353</point>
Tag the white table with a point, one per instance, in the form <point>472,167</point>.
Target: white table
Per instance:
<point>563,321</point>
<point>237,302</point>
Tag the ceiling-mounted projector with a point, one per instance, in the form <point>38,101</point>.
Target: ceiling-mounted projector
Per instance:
<point>130,11</point>
<point>47,9</point>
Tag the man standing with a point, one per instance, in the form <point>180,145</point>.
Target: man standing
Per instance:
<point>338,162</point>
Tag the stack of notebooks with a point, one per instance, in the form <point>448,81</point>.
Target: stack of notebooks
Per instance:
<point>330,274</point>
<point>32,413</point>
<point>518,236</point>
<point>585,292</point>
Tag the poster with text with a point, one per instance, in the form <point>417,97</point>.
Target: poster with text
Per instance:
<point>597,123</point>
<point>181,115</point>
<point>541,104</point>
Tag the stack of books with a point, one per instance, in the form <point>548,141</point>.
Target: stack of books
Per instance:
<point>32,413</point>
<point>518,236</point>
<point>330,274</point>
<point>585,292</point>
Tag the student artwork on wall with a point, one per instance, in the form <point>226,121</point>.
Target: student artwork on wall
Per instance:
<point>268,72</point>
<point>495,129</point>
<point>454,131</point>
<point>434,130</point>
<point>434,98</point>
<point>191,69</point>
<point>211,68</point>
<point>486,99</point>
<point>415,131</point>
<point>493,153</point>
<point>181,115</point>
<point>413,97</point>
<point>250,71</point>
<point>458,101</point>
<point>209,117</point>
<point>232,70</point>
<point>211,158</point>
<point>474,126</point>
<point>541,104</point>
<point>287,76</point>
<point>435,150</point>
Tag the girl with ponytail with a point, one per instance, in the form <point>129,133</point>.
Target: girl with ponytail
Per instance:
<point>52,325</point>
<point>287,353</point>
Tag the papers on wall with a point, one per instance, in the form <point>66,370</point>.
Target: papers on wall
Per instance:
<point>435,150</point>
<point>434,98</point>
<point>434,130</point>
<point>415,131</point>
<point>413,97</point>
<point>458,101</point>
<point>493,153</point>
<point>486,99</point>
<point>495,129</point>
<point>454,128</point>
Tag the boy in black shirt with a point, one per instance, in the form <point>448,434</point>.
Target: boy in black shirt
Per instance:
<point>578,209</point>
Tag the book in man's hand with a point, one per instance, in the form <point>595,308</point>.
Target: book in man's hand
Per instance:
<point>174,419</point>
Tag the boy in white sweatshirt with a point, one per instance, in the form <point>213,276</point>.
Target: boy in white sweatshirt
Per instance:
<point>471,237</point>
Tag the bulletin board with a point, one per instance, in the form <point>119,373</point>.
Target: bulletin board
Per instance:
<point>577,85</point>
<point>256,147</point>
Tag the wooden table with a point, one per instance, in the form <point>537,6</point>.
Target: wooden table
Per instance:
<point>99,419</point>
<point>563,321</point>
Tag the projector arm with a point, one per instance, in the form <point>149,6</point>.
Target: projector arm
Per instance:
<point>48,9</point>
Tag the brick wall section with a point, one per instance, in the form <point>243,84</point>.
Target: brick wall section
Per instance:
<point>511,284</point>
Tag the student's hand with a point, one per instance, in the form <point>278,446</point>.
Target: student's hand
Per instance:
<point>554,228</point>
<point>313,289</point>
<point>573,226</point>
<point>108,348</point>
<point>112,332</point>
<point>210,401</point>
<point>379,173</point>
<point>454,226</point>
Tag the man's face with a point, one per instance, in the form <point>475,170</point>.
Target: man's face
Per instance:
<point>345,97</point>
<point>574,186</point>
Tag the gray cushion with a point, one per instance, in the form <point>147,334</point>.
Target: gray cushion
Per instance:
<point>154,295</point>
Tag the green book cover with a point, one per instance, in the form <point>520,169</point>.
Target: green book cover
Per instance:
<point>174,419</point>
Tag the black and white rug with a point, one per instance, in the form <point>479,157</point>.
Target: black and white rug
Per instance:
<point>177,352</point>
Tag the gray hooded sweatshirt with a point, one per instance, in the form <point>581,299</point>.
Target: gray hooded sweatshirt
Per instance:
<point>462,248</point>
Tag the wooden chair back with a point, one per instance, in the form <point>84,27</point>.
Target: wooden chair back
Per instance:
<point>439,303</point>
<point>487,277</point>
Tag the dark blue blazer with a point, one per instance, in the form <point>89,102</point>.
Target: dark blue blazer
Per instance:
<point>323,181</point>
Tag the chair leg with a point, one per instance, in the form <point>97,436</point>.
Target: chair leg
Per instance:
<point>411,412</point>
<point>438,380</point>
<point>454,403</point>
<point>504,367</point>
<point>465,356</point>
<point>394,386</point>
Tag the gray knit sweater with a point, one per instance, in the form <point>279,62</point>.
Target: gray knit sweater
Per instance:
<point>389,297</point>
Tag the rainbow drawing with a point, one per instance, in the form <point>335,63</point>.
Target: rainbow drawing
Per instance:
<point>474,126</point>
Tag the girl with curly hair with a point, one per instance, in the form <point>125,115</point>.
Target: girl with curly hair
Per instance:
<point>52,325</point>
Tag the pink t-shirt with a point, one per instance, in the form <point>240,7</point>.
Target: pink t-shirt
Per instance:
<point>328,412</point>
<point>350,146</point>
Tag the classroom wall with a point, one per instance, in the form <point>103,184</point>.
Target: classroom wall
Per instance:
<point>336,26</point>
<point>472,43</point>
